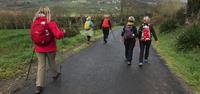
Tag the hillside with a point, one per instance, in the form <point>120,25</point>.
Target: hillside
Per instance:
<point>76,7</point>
<point>20,4</point>
<point>23,4</point>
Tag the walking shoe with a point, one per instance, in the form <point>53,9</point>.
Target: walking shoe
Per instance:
<point>56,76</point>
<point>129,63</point>
<point>105,41</point>
<point>145,61</point>
<point>38,90</point>
<point>140,64</point>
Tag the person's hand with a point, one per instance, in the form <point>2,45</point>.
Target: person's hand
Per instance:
<point>157,43</point>
<point>121,40</point>
<point>64,30</point>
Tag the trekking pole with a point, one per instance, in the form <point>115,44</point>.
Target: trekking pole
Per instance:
<point>30,63</point>
<point>113,35</point>
<point>62,50</point>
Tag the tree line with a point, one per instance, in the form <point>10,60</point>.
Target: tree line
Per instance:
<point>23,20</point>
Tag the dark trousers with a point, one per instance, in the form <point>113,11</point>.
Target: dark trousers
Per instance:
<point>129,45</point>
<point>105,34</point>
<point>144,46</point>
<point>88,38</point>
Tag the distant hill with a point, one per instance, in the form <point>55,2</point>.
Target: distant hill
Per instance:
<point>77,6</point>
<point>20,4</point>
<point>16,4</point>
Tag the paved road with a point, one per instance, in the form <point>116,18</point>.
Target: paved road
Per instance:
<point>100,69</point>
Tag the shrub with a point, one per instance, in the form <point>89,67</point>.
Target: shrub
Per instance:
<point>189,39</point>
<point>180,16</point>
<point>168,25</point>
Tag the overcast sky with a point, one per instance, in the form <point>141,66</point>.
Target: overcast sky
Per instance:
<point>184,0</point>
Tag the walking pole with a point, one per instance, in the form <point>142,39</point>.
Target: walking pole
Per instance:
<point>62,51</point>
<point>113,35</point>
<point>30,63</point>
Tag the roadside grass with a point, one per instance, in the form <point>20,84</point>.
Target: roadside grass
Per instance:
<point>16,50</point>
<point>184,64</point>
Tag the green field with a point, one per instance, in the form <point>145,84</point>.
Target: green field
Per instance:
<point>16,50</point>
<point>185,65</point>
<point>64,6</point>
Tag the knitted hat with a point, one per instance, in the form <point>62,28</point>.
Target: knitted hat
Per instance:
<point>131,18</point>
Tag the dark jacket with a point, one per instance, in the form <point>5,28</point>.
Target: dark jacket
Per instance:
<point>152,31</point>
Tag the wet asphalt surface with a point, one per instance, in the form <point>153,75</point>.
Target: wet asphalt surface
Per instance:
<point>101,69</point>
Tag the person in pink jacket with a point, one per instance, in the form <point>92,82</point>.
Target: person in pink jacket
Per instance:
<point>45,49</point>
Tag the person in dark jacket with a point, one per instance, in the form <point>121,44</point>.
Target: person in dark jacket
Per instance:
<point>106,27</point>
<point>129,35</point>
<point>145,33</point>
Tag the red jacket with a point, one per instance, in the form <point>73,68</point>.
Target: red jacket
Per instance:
<point>51,47</point>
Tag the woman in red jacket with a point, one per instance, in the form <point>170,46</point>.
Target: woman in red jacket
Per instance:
<point>44,33</point>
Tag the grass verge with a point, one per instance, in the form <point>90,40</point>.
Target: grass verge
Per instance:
<point>185,65</point>
<point>16,50</point>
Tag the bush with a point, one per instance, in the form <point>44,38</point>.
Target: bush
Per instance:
<point>189,39</point>
<point>180,16</point>
<point>168,25</point>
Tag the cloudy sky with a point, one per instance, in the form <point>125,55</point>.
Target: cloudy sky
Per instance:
<point>183,0</point>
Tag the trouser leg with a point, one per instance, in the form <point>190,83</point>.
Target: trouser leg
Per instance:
<point>40,79</point>
<point>126,44</point>
<point>105,33</point>
<point>148,44</point>
<point>142,46</point>
<point>52,63</point>
<point>88,38</point>
<point>131,47</point>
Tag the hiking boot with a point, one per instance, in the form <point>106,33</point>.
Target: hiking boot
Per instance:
<point>140,64</point>
<point>38,90</point>
<point>146,61</point>
<point>56,76</point>
<point>129,63</point>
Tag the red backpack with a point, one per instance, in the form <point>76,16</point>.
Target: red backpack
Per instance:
<point>146,34</point>
<point>40,33</point>
<point>105,23</point>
